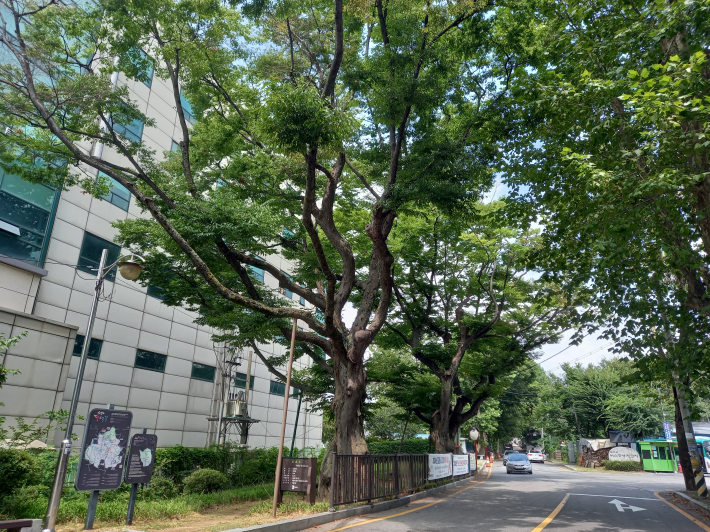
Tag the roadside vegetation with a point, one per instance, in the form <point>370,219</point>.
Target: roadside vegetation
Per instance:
<point>185,481</point>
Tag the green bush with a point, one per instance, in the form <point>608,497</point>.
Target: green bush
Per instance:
<point>205,481</point>
<point>160,487</point>
<point>414,446</point>
<point>47,462</point>
<point>260,467</point>
<point>622,465</point>
<point>17,469</point>
<point>178,462</point>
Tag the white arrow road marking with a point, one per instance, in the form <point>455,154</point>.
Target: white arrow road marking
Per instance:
<point>622,506</point>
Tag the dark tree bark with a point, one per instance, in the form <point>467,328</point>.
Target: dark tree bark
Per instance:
<point>683,454</point>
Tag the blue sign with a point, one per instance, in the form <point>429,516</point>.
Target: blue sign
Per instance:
<point>667,430</point>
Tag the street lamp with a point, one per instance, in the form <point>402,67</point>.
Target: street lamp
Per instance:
<point>129,269</point>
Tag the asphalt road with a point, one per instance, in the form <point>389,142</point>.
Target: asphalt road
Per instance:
<point>584,501</point>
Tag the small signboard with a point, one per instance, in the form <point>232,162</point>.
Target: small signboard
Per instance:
<point>667,430</point>
<point>440,466</point>
<point>141,458</point>
<point>460,464</point>
<point>104,449</point>
<point>299,474</point>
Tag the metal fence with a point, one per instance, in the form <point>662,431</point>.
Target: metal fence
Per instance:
<point>364,477</point>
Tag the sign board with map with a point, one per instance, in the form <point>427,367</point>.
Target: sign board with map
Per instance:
<point>141,458</point>
<point>104,449</point>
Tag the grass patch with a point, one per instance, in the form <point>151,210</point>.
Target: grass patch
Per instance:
<point>289,507</point>
<point>114,510</point>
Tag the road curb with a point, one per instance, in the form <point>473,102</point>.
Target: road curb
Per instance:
<point>700,506</point>
<point>569,467</point>
<point>301,523</point>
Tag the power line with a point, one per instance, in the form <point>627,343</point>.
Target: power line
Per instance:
<point>590,353</point>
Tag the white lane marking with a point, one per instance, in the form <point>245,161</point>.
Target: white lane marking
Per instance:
<point>615,496</point>
<point>620,506</point>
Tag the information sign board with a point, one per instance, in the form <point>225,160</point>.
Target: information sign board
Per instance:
<point>440,466</point>
<point>460,464</point>
<point>299,474</point>
<point>104,449</point>
<point>141,458</point>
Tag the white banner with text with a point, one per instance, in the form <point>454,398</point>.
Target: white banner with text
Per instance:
<point>460,465</point>
<point>440,466</point>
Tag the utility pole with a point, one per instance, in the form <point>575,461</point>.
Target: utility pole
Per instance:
<point>245,426</point>
<point>279,460</point>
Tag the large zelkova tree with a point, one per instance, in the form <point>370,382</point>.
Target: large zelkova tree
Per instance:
<point>314,123</point>
<point>616,171</point>
<point>469,309</point>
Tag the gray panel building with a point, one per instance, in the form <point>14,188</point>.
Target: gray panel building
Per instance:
<point>144,356</point>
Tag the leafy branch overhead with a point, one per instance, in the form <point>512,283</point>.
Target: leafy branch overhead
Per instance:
<point>301,129</point>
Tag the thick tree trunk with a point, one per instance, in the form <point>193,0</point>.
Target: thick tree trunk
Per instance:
<point>349,438</point>
<point>683,454</point>
<point>442,436</point>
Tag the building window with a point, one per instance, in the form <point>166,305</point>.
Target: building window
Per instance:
<point>117,194</point>
<point>175,147</point>
<point>94,347</point>
<point>146,74</point>
<point>286,291</point>
<point>156,292</point>
<point>149,360</point>
<point>240,381</point>
<point>133,131</point>
<point>277,388</point>
<point>302,299</point>
<point>203,372</point>
<point>187,109</point>
<point>258,272</point>
<point>26,218</point>
<point>90,255</point>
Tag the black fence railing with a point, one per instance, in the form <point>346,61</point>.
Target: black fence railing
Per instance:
<point>366,477</point>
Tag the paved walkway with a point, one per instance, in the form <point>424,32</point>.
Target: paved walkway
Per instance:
<point>553,498</point>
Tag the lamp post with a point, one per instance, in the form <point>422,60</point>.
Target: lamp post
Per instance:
<point>130,270</point>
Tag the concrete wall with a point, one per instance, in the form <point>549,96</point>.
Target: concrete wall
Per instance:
<point>18,286</point>
<point>42,358</point>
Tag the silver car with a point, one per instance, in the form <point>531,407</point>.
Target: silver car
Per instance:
<point>507,453</point>
<point>518,463</point>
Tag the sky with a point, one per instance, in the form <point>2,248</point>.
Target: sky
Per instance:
<point>592,350</point>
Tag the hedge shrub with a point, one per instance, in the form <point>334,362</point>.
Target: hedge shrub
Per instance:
<point>205,481</point>
<point>414,446</point>
<point>258,468</point>
<point>178,462</point>
<point>622,465</point>
<point>17,469</point>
